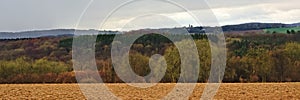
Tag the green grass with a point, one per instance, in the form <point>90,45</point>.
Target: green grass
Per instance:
<point>281,30</point>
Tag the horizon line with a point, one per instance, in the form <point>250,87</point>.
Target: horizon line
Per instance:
<point>116,30</point>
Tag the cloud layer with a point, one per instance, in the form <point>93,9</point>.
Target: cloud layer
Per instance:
<point>20,15</point>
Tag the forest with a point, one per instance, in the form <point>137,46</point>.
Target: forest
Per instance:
<point>251,57</point>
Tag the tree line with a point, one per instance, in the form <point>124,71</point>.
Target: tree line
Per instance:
<point>250,58</point>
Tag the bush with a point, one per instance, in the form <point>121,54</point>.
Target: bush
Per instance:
<point>25,70</point>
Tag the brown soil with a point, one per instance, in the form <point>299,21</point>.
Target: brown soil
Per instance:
<point>226,91</point>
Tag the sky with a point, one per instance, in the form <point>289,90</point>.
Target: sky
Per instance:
<point>25,15</point>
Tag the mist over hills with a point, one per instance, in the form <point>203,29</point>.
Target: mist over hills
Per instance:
<point>50,33</point>
<point>190,29</point>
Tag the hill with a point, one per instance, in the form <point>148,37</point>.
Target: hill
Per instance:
<point>49,33</point>
<point>190,29</point>
<point>252,26</point>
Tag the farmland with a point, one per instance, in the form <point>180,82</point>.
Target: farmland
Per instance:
<point>123,91</point>
<point>282,30</point>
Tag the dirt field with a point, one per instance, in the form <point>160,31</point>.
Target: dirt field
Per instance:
<point>290,91</point>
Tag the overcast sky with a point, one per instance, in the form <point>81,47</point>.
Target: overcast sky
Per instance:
<point>21,15</point>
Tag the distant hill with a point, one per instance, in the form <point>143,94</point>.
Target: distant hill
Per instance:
<point>252,26</point>
<point>244,27</point>
<point>294,25</point>
<point>190,29</point>
<point>49,33</point>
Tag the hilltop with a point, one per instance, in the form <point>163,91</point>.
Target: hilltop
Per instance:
<point>195,30</point>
